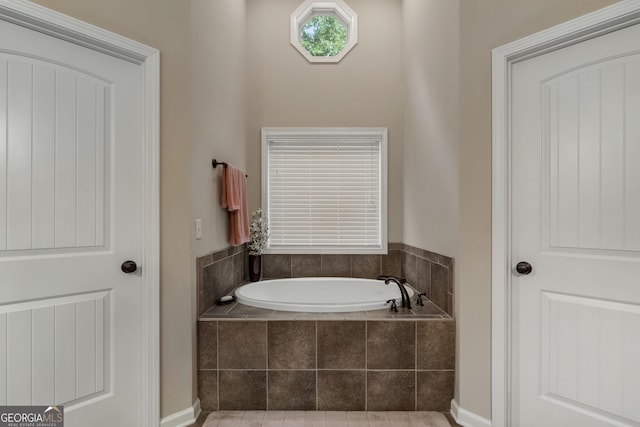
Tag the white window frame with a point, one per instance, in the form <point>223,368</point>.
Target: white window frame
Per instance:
<point>269,134</point>
<point>336,8</point>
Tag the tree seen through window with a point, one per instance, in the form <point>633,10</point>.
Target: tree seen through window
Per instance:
<point>324,35</point>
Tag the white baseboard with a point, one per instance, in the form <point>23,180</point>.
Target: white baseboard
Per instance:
<point>182,418</point>
<point>467,418</point>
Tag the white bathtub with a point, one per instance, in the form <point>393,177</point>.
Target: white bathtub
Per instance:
<point>320,294</point>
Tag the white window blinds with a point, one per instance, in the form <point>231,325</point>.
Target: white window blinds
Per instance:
<point>325,190</point>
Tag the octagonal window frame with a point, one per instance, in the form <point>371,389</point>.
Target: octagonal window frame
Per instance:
<point>335,8</point>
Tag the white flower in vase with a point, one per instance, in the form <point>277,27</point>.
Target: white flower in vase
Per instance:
<point>258,233</point>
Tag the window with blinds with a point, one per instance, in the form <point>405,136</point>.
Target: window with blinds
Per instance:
<point>324,189</point>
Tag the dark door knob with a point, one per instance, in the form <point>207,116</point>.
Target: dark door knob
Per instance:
<point>524,267</point>
<point>129,267</point>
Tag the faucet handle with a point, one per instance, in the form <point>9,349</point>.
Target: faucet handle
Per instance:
<point>399,279</point>
<point>394,307</point>
<point>419,300</point>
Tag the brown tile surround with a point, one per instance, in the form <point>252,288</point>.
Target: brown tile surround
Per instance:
<point>392,390</point>
<point>281,383</point>
<point>235,310</point>
<point>242,390</point>
<point>292,345</point>
<point>255,359</point>
<point>327,365</point>
<point>342,390</point>
<point>391,345</point>
<point>219,273</point>
<point>342,345</point>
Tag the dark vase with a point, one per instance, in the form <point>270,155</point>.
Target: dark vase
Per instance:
<point>255,267</point>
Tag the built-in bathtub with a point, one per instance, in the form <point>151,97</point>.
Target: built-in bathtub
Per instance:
<point>252,358</point>
<point>320,294</point>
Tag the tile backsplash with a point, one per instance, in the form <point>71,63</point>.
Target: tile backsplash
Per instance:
<point>220,272</point>
<point>426,271</point>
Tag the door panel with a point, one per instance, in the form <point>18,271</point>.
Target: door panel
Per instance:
<point>589,355</point>
<point>575,200</point>
<point>55,185</point>
<point>66,340</point>
<point>593,200</point>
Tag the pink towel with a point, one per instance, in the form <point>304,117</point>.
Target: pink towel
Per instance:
<point>234,199</point>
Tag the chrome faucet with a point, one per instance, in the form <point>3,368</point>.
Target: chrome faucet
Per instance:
<point>406,301</point>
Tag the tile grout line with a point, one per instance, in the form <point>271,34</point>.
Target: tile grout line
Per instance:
<point>415,366</point>
<point>316,322</point>
<point>217,367</point>
<point>330,370</point>
<point>266,368</point>
<point>366,365</point>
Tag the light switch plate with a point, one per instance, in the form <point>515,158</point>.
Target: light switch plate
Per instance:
<point>198,229</point>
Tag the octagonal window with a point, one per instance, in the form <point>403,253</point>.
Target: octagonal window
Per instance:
<point>324,31</point>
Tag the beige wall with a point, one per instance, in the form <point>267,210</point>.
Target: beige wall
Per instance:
<point>163,24</point>
<point>218,121</point>
<point>218,111</point>
<point>431,116</point>
<point>364,89</point>
<point>483,26</point>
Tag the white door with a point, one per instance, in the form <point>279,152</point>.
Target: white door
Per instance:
<point>576,221</point>
<point>70,161</point>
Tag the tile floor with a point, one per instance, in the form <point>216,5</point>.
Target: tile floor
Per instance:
<point>323,419</point>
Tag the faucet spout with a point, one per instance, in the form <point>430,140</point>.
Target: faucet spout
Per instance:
<point>406,301</point>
